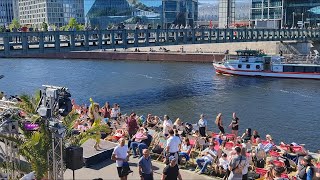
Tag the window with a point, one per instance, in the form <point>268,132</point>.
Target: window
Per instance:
<point>287,68</point>
<point>248,66</point>
<point>257,66</point>
<point>239,66</point>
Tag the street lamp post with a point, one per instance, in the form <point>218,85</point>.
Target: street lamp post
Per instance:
<point>292,20</point>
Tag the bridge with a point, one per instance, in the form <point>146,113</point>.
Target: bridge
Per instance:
<point>15,43</point>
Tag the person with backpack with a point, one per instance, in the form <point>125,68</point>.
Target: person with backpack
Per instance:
<point>236,165</point>
<point>306,169</point>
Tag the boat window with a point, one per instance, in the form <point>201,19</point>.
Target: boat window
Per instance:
<point>287,68</point>
<point>309,69</point>
<point>257,66</point>
<point>318,70</point>
<point>298,69</point>
<point>240,66</point>
<point>248,66</point>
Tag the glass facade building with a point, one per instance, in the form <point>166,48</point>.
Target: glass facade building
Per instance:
<point>180,12</point>
<point>285,13</point>
<point>6,12</point>
<point>103,13</point>
<point>226,13</point>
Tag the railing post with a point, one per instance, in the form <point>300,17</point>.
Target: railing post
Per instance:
<point>41,42</point>
<point>6,44</point>
<point>157,38</point>
<point>24,41</point>
<point>146,35</point>
<point>176,36</point>
<point>136,38</point>
<point>72,40</point>
<point>99,33</point>
<point>210,35</point>
<point>185,34</point>
<point>86,40</point>
<point>193,36</point>
<point>57,41</point>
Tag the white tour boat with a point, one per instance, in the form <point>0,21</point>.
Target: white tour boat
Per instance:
<point>255,63</point>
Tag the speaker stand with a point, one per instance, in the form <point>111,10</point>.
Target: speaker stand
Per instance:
<point>73,175</point>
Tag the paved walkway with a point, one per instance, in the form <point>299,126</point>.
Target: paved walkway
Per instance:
<point>107,170</point>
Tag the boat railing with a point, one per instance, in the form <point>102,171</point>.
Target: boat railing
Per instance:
<point>302,59</point>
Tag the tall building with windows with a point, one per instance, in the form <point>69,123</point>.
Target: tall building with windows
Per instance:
<point>226,13</point>
<point>6,12</point>
<point>53,12</point>
<point>285,13</point>
<point>180,12</point>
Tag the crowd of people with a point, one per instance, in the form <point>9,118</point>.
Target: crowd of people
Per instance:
<point>221,154</point>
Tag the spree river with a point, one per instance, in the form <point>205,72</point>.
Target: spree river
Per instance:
<point>288,109</point>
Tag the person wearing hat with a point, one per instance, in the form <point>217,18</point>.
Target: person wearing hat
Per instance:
<point>171,171</point>
<point>207,158</point>
<point>306,168</point>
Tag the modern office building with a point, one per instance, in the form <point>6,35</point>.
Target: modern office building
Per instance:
<point>285,13</point>
<point>226,13</point>
<point>180,12</point>
<point>6,12</point>
<point>103,13</point>
<point>53,12</point>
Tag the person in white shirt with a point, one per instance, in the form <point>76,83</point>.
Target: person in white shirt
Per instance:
<point>120,155</point>
<point>222,167</point>
<point>208,156</point>
<point>173,145</point>
<point>167,125</point>
<point>202,123</point>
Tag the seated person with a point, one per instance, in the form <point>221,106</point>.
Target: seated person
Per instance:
<point>222,166</point>
<point>185,149</point>
<point>208,156</point>
<point>247,135</point>
<point>152,120</point>
<point>137,141</point>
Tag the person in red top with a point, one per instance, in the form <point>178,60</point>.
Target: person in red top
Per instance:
<point>132,125</point>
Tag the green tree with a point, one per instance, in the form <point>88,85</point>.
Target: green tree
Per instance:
<point>14,24</point>
<point>44,26</point>
<point>34,145</point>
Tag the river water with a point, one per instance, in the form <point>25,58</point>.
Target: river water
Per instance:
<point>288,109</point>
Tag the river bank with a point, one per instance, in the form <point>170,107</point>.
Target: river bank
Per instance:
<point>127,55</point>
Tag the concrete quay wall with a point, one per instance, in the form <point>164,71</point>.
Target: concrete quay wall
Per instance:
<point>123,55</point>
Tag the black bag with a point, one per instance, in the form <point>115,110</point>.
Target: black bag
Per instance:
<point>260,163</point>
<point>157,149</point>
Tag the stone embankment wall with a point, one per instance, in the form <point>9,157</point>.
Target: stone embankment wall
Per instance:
<point>137,56</point>
<point>191,52</point>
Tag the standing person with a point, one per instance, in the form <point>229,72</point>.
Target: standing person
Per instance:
<point>173,145</point>
<point>306,169</point>
<point>234,124</point>
<point>106,110</point>
<point>171,171</point>
<point>145,166</point>
<point>236,165</point>
<point>246,164</point>
<point>120,154</point>
<point>167,125</point>
<point>132,125</point>
<point>95,120</point>
<point>219,123</point>
<point>115,111</point>
<point>202,123</point>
